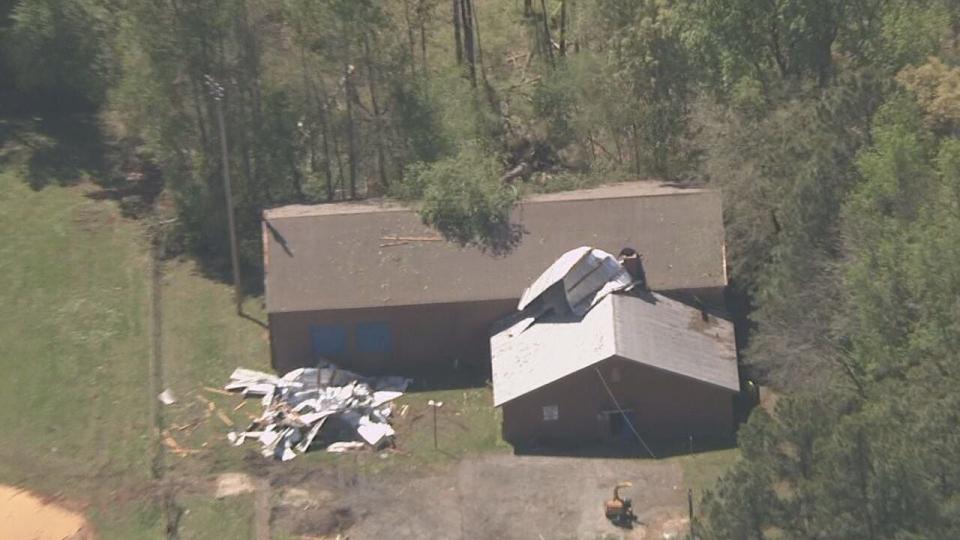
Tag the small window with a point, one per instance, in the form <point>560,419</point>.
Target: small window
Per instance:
<point>329,340</point>
<point>551,413</point>
<point>615,374</point>
<point>374,338</point>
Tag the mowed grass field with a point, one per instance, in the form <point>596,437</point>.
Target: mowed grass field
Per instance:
<point>77,402</point>
<point>75,412</point>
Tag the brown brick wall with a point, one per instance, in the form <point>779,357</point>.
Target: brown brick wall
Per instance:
<point>664,405</point>
<point>426,337</point>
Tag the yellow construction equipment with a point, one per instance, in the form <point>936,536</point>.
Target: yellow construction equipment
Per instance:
<point>619,510</point>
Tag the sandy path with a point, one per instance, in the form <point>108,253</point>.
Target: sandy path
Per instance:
<point>27,517</point>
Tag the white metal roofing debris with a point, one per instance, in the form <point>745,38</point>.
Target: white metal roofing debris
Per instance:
<point>540,347</point>
<point>298,405</point>
<point>587,275</point>
<point>167,397</point>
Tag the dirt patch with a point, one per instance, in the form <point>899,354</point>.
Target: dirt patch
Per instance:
<point>660,523</point>
<point>232,484</point>
<point>27,516</point>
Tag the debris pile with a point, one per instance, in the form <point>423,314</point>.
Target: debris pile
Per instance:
<point>309,402</point>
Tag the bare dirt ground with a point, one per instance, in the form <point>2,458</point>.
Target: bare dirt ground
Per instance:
<point>492,496</point>
<point>25,516</point>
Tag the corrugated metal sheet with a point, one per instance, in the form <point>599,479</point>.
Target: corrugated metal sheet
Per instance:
<point>587,274</point>
<point>648,328</point>
<point>374,254</point>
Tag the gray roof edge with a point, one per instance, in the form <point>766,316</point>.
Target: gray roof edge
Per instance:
<point>663,292</point>
<point>397,205</point>
<point>616,354</point>
<point>673,373</point>
<point>544,198</point>
<point>513,299</point>
<point>551,381</point>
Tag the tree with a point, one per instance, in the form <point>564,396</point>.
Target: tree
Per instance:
<point>72,39</point>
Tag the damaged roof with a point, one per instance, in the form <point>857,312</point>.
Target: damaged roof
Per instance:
<point>375,253</point>
<point>647,328</point>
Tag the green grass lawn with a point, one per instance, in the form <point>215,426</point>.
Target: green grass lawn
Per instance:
<point>701,470</point>
<point>203,341</point>
<point>204,518</point>
<point>76,400</point>
<point>74,340</point>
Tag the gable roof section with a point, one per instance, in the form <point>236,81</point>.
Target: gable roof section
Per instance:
<point>649,329</point>
<point>669,335</point>
<point>375,253</point>
<point>550,349</point>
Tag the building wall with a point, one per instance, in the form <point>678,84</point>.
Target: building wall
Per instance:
<point>392,340</point>
<point>663,405</point>
<point>422,337</point>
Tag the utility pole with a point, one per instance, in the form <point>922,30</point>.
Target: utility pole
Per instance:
<point>217,92</point>
<point>435,405</point>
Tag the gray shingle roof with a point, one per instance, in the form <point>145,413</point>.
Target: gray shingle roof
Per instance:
<point>647,328</point>
<point>375,253</point>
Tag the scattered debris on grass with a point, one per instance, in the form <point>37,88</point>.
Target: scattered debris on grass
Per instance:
<point>175,447</point>
<point>167,397</point>
<point>309,406</point>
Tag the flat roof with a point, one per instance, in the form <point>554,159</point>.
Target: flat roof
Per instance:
<point>376,253</point>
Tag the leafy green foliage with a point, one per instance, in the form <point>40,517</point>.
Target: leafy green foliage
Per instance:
<point>872,455</point>
<point>60,49</point>
<point>463,198</point>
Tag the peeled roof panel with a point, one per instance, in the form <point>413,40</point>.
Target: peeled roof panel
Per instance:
<point>606,275</point>
<point>555,273</point>
<point>374,254</point>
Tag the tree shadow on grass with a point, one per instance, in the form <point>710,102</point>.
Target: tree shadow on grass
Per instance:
<point>65,151</point>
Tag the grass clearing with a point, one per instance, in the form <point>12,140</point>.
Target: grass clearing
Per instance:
<point>73,398</point>
<point>137,519</point>
<point>76,400</point>
<point>701,471</point>
<point>205,518</point>
<point>203,341</point>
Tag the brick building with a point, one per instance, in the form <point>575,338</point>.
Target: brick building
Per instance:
<point>367,285</point>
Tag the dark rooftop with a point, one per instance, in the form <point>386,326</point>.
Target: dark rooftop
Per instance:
<point>379,253</point>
